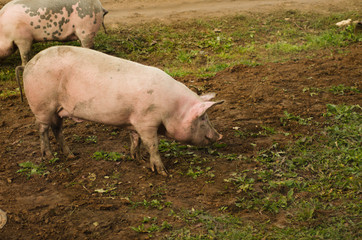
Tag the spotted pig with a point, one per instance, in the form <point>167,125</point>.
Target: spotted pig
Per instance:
<point>23,22</point>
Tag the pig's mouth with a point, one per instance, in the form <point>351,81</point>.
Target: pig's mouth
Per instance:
<point>209,140</point>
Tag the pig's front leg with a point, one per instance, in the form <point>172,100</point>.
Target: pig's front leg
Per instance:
<point>150,140</point>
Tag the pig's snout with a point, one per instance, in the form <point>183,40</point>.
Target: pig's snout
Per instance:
<point>213,138</point>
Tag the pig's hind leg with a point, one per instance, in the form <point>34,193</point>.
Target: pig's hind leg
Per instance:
<point>24,46</point>
<point>44,140</point>
<point>135,148</point>
<point>57,127</point>
<point>55,123</point>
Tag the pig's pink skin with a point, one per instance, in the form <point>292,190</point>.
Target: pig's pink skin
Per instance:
<point>24,22</point>
<point>85,84</point>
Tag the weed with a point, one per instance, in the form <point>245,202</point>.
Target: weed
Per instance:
<point>77,138</point>
<point>313,91</point>
<point>154,203</point>
<point>6,93</point>
<point>173,149</point>
<point>108,156</point>
<point>267,131</point>
<point>29,169</point>
<point>292,117</point>
<point>91,139</point>
<point>197,171</point>
<point>143,228</point>
<point>109,189</point>
<point>232,156</point>
<point>241,181</point>
<point>337,90</point>
<point>341,89</point>
<point>54,159</point>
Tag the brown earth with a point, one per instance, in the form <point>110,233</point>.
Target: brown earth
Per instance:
<point>129,12</point>
<point>64,204</point>
<point>142,11</point>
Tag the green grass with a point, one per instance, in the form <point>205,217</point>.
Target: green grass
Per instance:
<point>321,203</point>
<point>203,48</point>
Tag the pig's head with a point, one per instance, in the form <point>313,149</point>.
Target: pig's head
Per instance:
<point>199,128</point>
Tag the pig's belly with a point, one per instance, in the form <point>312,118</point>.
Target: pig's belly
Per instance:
<point>52,34</point>
<point>80,112</point>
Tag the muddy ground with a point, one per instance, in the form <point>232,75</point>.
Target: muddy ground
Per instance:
<point>64,203</point>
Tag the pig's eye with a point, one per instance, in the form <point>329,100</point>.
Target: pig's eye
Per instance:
<point>203,117</point>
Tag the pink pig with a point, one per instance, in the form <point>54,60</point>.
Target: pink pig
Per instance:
<point>23,22</point>
<point>84,84</point>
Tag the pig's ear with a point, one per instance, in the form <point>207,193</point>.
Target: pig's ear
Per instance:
<point>199,109</point>
<point>208,96</point>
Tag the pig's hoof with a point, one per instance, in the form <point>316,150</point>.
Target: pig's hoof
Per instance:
<point>46,156</point>
<point>160,169</point>
<point>163,172</point>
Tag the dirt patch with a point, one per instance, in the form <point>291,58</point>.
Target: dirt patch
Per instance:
<point>64,202</point>
<point>129,12</point>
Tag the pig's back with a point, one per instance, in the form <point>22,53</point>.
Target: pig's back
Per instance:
<point>90,68</point>
<point>72,76</point>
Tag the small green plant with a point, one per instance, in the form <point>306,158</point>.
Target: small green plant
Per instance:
<point>91,139</point>
<point>29,169</point>
<point>154,203</point>
<point>146,227</point>
<point>108,156</point>
<point>77,138</point>
<point>172,149</point>
<point>337,90</point>
<point>109,189</point>
<point>54,159</point>
<point>240,134</point>
<point>241,181</point>
<point>6,93</point>
<point>292,117</point>
<point>313,91</point>
<point>267,131</point>
<point>341,89</point>
<point>197,171</point>
<point>231,156</point>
